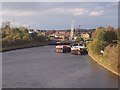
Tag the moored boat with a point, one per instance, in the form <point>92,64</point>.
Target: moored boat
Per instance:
<point>63,48</point>
<point>78,49</point>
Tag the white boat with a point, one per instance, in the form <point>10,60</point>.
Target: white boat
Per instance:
<point>78,49</point>
<point>63,48</point>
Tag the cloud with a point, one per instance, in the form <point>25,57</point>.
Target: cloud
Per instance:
<point>18,13</point>
<point>80,11</point>
<point>96,13</point>
<point>73,11</point>
<point>58,15</point>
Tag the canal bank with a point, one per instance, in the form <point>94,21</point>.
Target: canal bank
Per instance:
<point>99,60</point>
<point>9,48</point>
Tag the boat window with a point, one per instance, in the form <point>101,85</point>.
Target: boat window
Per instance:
<point>75,44</point>
<point>80,44</point>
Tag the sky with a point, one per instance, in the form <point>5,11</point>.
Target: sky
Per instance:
<point>58,15</point>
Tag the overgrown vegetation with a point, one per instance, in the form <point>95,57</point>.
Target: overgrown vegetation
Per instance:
<point>106,40</point>
<point>118,31</point>
<point>79,39</point>
<point>13,38</point>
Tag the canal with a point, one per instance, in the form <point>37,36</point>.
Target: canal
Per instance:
<point>42,67</point>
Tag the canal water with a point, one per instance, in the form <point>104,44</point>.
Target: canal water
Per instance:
<point>42,67</point>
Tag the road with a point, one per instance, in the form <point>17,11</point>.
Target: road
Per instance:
<point>42,67</point>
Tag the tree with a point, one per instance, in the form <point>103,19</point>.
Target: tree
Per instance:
<point>118,34</point>
<point>79,39</point>
<point>95,47</point>
<point>103,37</point>
<point>98,35</point>
<point>109,28</point>
<point>110,36</point>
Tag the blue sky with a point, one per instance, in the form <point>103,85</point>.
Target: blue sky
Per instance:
<point>58,15</point>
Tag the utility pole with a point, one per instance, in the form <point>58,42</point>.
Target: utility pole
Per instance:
<point>72,29</point>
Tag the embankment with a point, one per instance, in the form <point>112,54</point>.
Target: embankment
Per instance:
<point>101,60</point>
<point>29,45</point>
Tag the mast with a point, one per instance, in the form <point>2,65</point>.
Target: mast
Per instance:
<point>72,29</point>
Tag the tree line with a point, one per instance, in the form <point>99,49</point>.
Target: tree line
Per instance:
<point>106,40</point>
<point>20,36</point>
<point>103,37</point>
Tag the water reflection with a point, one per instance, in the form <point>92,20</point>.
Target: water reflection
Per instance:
<point>42,65</point>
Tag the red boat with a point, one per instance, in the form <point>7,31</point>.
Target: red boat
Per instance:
<point>63,49</point>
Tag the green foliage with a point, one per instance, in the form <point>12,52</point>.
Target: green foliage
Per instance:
<point>19,36</point>
<point>106,39</point>
<point>118,32</point>
<point>14,34</point>
<point>98,35</point>
<point>38,37</point>
<point>102,37</point>
<point>95,47</point>
<point>98,41</point>
<point>79,39</point>
<point>105,35</point>
<point>109,28</point>
<point>110,36</point>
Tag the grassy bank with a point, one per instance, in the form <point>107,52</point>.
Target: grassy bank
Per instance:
<point>103,61</point>
<point>27,45</point>
<point>105,40</point>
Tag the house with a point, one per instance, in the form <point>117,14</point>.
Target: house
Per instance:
<point>85,35</point>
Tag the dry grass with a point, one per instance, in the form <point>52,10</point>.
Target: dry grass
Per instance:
<point>109,59</point>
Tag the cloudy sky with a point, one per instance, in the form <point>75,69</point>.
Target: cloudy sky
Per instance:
<point>58,15</point>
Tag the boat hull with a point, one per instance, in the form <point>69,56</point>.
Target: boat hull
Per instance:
<point>63,49</point>
<point>79,52</point>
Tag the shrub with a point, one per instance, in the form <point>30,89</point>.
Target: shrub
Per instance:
<point>95,47</point>
<point>79,39</point>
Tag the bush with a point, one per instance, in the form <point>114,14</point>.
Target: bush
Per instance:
<point>79,39</point>
<point>105,35</point>
<point>110,36</point>
<point>95,47</point>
